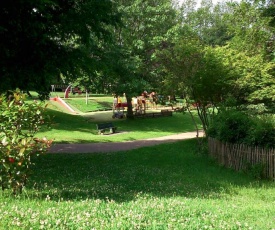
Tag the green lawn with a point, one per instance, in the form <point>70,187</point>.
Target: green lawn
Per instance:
<point>81,128</point>
<point>93,103</point>
<point>169,186</point>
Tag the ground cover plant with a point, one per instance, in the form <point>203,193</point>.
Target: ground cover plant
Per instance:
<point>169,186</point>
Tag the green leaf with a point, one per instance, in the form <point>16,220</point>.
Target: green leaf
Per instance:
<point>4,141</point>
<point>21,152</point>
<point>7,166</point>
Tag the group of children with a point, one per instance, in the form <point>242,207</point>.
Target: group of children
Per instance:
<point>139,103</point>
<point>118,102</point>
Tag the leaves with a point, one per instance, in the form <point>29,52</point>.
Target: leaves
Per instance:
<point>43,38</point>
<point>19,122</point>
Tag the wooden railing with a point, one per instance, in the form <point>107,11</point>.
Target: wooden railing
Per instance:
<point>240,156</point>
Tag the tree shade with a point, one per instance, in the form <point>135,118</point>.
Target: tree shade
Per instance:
<point>42,38</point>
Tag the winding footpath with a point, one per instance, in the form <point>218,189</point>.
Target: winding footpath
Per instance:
<point>119,146</point>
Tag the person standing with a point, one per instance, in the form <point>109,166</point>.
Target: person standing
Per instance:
<point>114,102</point>
<point>119,101</point>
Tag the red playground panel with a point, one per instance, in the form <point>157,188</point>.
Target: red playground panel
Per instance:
<point>121,105</point>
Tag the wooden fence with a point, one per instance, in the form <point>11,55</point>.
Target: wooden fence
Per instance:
<point>239,156</point>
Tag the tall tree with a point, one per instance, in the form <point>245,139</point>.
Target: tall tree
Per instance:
<point>208,20</point>
<point>197,73</point>
<point>251,30</point>
<point>43,38</point>
<point>146,24</point>
<point>250,53</point>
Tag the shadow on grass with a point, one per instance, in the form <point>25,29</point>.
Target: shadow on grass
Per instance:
<point>92,106</point>
<point>108,147</point>
<point>165,170</point>
<point>65,126</point>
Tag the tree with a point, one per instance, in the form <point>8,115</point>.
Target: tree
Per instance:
<point>209,21</point>
<point>146,24</point>
<point>253,82</point>
<point>251,30</point>
<point>249,54</point>
<point>43,38</point>
<point>198,73</point>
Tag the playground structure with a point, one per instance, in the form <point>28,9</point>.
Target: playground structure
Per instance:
<point>144,102</point>
<point>140,104</point>
<point>63,104</point>
<point>67,89</point>
<point>119,110</point>
<point>119,107</point>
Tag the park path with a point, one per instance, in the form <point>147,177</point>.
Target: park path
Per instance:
<point>119,146</point>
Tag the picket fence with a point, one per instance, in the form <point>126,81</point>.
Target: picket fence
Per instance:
<point>240,156</point>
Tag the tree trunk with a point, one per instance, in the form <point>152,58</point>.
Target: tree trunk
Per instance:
<point>87,97</point>
<point>129,108</point>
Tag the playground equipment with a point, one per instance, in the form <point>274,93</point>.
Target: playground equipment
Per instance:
<point>67,91</point>
<point>118,114</point>
<point>118,110</point>
<point>140,107</point>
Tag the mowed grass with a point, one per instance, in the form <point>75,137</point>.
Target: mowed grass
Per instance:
<point>93,103</point>
<point>81,128</point>
<point>169,186</point>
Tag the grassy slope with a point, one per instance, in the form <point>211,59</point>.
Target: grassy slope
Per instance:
<point>162,187</point>
<point>169,186</point>
<point>94,104</point>
<point>68,128</point>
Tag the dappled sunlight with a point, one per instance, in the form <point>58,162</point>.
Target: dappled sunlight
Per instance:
<point>167,170</point>
<point>118,146</point>
<point>69,128</point>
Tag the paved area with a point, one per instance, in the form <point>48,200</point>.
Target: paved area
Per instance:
<point>119,146</point>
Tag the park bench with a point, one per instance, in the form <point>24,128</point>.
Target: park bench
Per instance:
<point>162,113</point>
<point>106,126</point>
<point>166,112</point>
<point>179,110</point>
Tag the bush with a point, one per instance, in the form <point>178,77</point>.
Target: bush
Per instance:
<point>230,126</point>
<point>43,96</point>
<point>19,121</point>
<point>262,133</point>
<point>238,127</point>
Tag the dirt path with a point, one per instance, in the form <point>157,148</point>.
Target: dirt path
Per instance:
<point>118,146</point>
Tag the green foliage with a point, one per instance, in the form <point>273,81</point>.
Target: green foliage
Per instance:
<point>43,38</point>
<point>255,171</point>
<point>146,24</point>
<point>249,78</point>
<point>198,72</point>
<point>68,128</point>
<point>209,22</point>
<point>19,121</point>
<point>230,126</point>
<point>251,30</point>
<point>238,127</point>
<point>262,132</point>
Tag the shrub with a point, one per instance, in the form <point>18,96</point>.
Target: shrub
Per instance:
<point>19,121</point>
<point>230,126</point>
<point>238,127</point>
<point>262,133</point>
